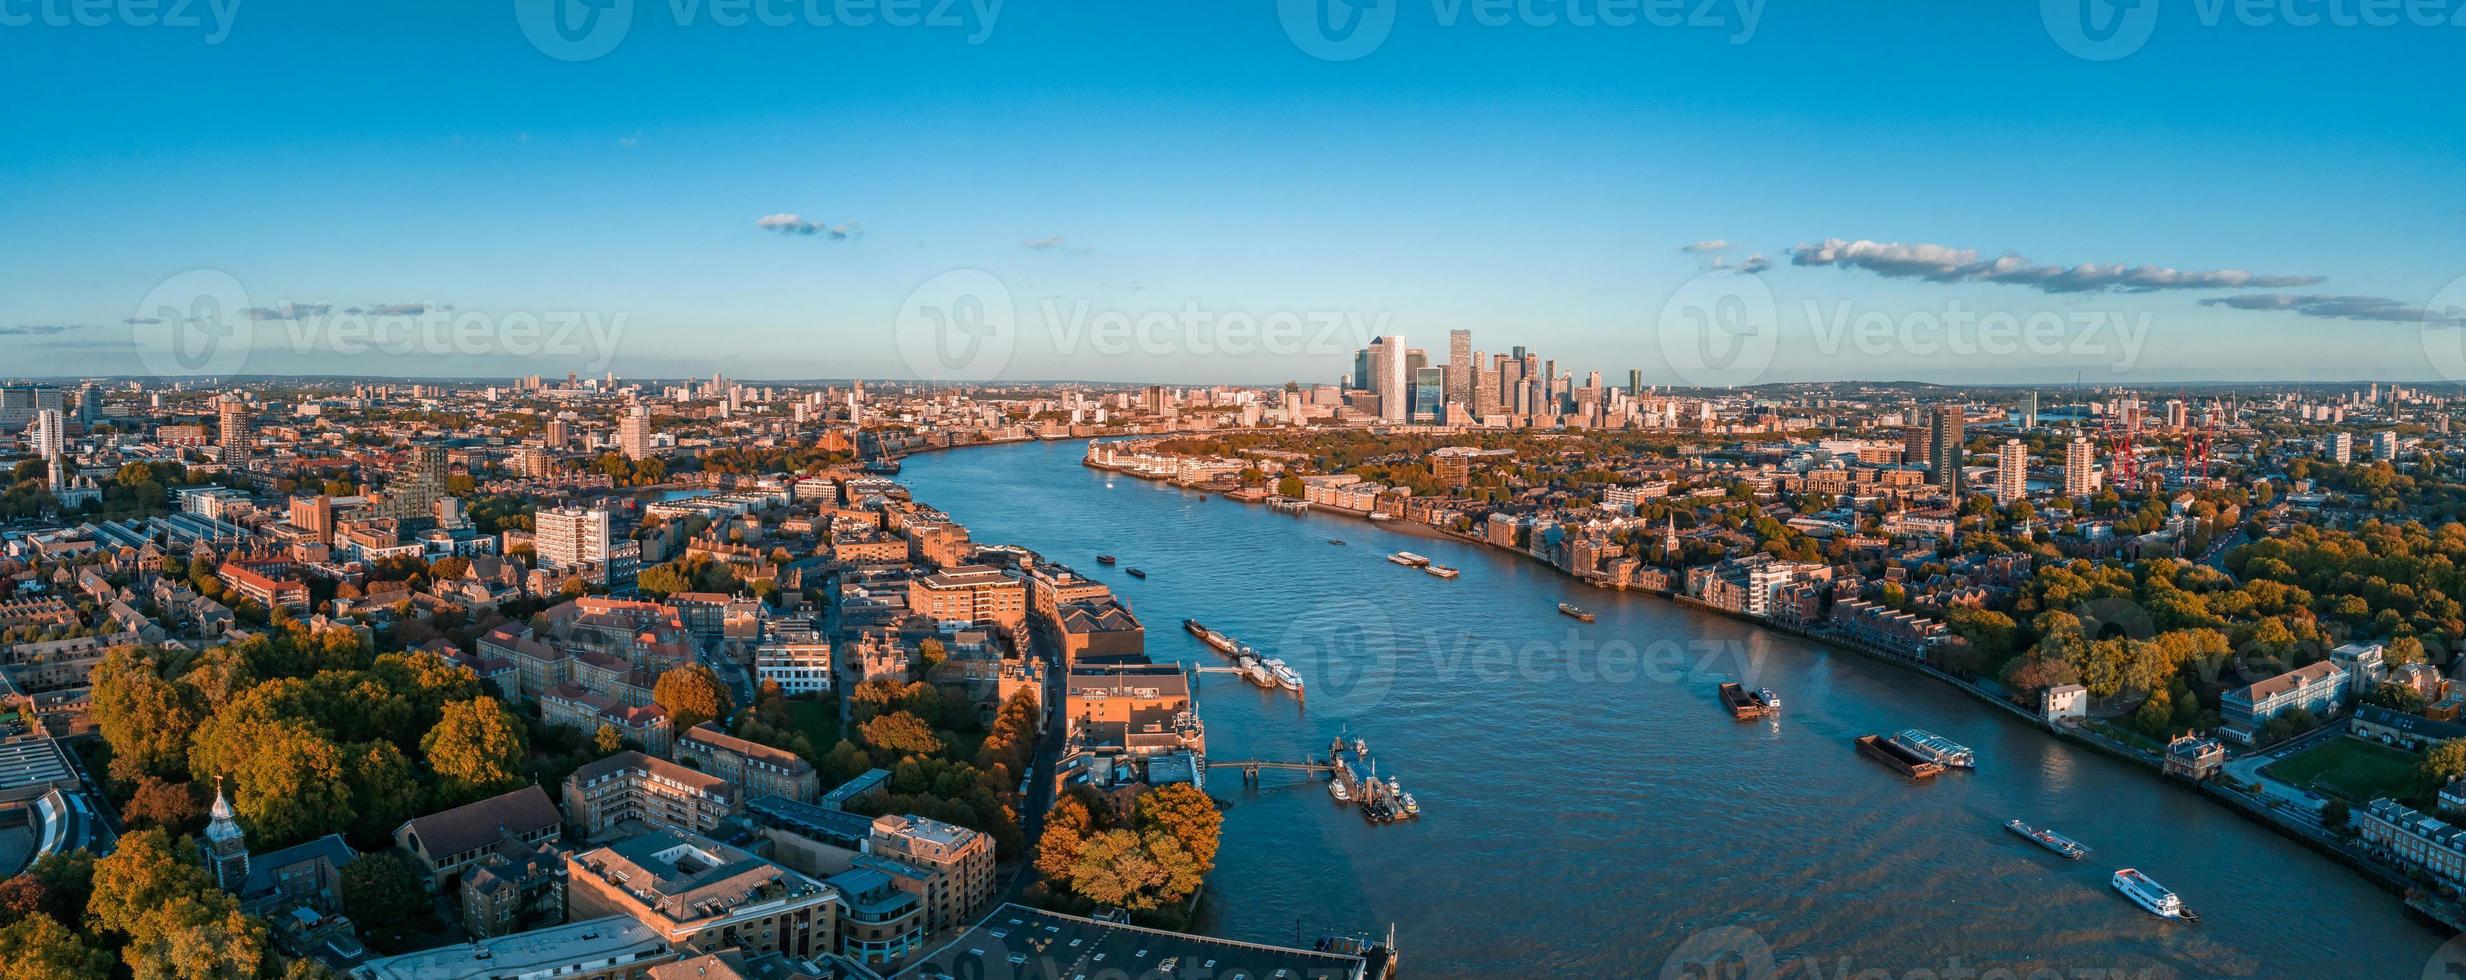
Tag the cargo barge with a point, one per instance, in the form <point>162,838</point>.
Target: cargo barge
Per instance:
<point>1902,760</point>
<point>1744,706</point>
<point>2048,839</point>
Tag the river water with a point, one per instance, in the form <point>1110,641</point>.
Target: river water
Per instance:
<point>1590,810</point>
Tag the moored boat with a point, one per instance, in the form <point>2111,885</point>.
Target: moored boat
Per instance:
<point>1408,559</point>
<point>1335,788</point>
<point>2048,839</point>
<point>1135,573</point>
<point>1770,700</point>
<point>2145,892</point>
<point>1335,541</point>
<point>1283,674</point>
<point>1903,760</point>
<point>1570,609</point>
<point>1258,673</point>
<point>1104,559</point>
<point>1441,571</point>
<point>1936,748</point>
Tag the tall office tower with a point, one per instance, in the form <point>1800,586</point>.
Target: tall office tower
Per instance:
<point>570,537</point>
<point>51,443</point>
<point>1549,377</point>
<point>1429,390</point>
<point>1510,381</point>
<point>2080,470</point>
<point>2012,472</point>
<point>1387,363</point>
<point>1460,366</point>
<point>315,515</point>
<point>1485,388</point>
<point>231,429</point>
<point>2029,410</point>
<point>1415,359</point>
<point>1635,382</point>
<point>634,432</point>
<point>555,435</point>
<point>90,405</point>
<point>1361,380</point>
<point>1944,445</point>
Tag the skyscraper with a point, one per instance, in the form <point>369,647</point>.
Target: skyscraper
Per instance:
<point>2012,472</point>
<point>1944,446</point>
<point>2029,410</point>
<point>1387,362</point>
<point>1635,381</point>
<point>1460,366</point>
<point>1429,389</point>
<point>2080,469</point>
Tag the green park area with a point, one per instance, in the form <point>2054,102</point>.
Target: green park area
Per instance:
<point>2350,769</point>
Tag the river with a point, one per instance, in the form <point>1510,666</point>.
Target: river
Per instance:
<point>1590,810</point>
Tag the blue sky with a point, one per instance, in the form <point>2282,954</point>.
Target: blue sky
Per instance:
<point>1534,184</point>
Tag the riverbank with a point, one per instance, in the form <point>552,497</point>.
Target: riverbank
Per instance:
<point>2311,837</point>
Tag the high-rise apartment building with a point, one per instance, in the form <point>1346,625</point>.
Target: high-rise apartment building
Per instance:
<point>232,429</point>
<point>2012,472</point>
<point>2080,469</point>
<point>570,537</point>
<point>51,443</point>
<point>1944,448</point>
<point>634,433</point>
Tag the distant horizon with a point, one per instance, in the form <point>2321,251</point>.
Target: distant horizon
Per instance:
<point>208,381</point>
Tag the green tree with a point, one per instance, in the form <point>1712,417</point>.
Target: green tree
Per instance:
<point>384,887</point>
<point>145,718</point>
<point>476,750</point>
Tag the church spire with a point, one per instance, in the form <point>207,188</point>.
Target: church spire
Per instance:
<point>225,844</point>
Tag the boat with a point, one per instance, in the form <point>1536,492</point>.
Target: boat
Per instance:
<point>1381,518</point>
<point>1284,675</point>
<point>1901,759</point>
<point>1742,705</point>
<point>1571,610</point>
<point>1104,559</point>
<point>1936,748</point>
<point>1441,571</point>
<point>2048,839</point>
<point>1257,672</point>
<point>1410,806</point>
<point>1135,573</point>
<point>2145,892</point>
<point>1335,788</point>
<point>1768,699</point>
<point>1360,748</point>
<point>1335,541</point>
<point>1408,559</point>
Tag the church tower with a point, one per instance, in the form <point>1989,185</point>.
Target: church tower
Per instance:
<point>225,846</point>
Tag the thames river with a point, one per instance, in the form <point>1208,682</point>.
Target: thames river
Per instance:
<point>1590,810</point>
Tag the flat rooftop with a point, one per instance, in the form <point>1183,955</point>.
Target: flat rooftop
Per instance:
<point>1021,943</point>
<point>615,939</point>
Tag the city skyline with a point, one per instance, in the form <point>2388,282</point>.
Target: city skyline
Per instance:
<point>715,198</point>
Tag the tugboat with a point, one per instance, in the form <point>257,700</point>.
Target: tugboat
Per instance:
<point>2049,839</point>
<point>1411,808</point>
<point>1104,559</point>
<point>1770,700</point>
<point>1135,573</point>
<point>2145,892</point>
<point>1570,609</point>
<point>1441,571</point>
